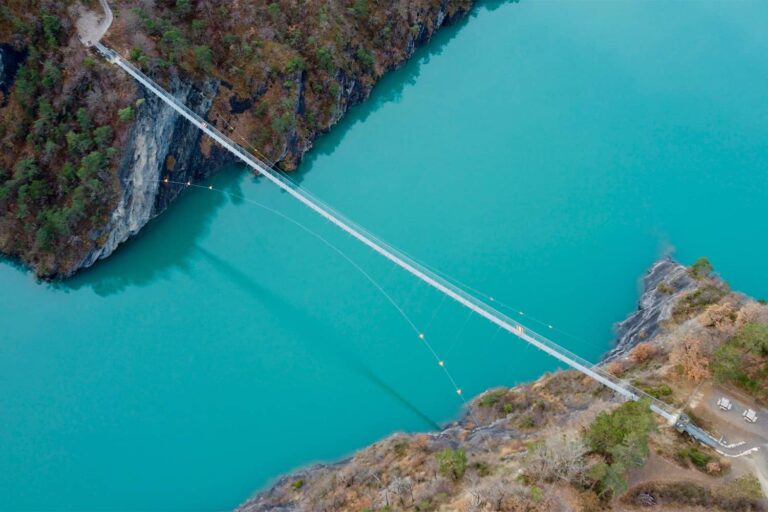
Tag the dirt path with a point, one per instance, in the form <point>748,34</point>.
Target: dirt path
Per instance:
<point>657,468</point>
<point>92,26</point>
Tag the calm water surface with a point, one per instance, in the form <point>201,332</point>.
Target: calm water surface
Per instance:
<point>546,152</point>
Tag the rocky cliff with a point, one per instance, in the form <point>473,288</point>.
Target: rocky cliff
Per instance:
<point>160,144</point>
<point>276,88</point>
<point>663,284</point>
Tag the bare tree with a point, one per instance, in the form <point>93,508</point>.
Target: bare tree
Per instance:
<point>558,458</point>
<point>402,487</point>
<point>690,355</point>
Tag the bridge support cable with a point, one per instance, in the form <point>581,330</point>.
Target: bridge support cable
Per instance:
<point>465,299</point>
<point>401,311</point>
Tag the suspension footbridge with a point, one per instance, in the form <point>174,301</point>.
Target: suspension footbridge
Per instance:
<point>403,261</point>
<point>418,270</point>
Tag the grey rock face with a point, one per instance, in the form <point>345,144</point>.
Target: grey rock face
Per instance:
<point>655,305</point>
<point>159,135</point>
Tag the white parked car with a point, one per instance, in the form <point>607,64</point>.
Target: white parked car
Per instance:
<point>750,416</point>
<point>724,404</point>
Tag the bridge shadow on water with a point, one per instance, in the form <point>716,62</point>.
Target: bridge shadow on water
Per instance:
<point>288,314</point>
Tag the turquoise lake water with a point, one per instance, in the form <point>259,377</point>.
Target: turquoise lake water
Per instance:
<point>544,152</point>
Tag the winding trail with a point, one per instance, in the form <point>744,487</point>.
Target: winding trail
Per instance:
<point>91,27</point>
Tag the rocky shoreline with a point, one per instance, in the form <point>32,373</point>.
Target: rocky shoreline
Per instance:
<point>663,284</point>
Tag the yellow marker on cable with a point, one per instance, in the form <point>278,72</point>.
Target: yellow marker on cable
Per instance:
<point>441,363</point>
<point>421,335</point>
<point>458,392</point>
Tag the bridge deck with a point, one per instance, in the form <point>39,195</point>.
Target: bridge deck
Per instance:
<point>459,295</point>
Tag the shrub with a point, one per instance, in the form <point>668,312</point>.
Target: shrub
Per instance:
<point>642,352</point>
<point>699,458</point>
<point>741,492</point>
<point>695,301</point>
<point>700,269</point>
<point>125,114</point>
<point>400,447</point>
<point>492,398</point>
<point>295,64</point>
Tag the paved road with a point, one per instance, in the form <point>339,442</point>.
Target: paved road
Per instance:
<point>732,426</point>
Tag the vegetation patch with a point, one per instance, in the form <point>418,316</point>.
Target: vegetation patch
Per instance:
<point>742,494</point>
<point>621,439</point>
<point>696,301</point>
<point>742,361</point>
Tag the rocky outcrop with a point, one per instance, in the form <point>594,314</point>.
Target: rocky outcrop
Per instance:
<point>160,144</point>
<point>663,284</point>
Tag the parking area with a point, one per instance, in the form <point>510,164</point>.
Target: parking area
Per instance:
<point>733,415</point>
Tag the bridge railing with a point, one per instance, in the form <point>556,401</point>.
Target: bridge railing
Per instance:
<point>625,388</point>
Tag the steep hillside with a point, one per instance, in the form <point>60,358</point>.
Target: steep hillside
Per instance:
<point>565,443</point>
<point>84,149</point>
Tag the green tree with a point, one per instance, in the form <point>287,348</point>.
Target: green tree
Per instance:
<point>754,337</point>
<point>183,7</point>
<point>610,429</point>
<point>325,58</point>
<point>173,42</point>
<point>83,119</point>
<point>364,57</point>
<point>102,136</point>
<point>452,463</point>
<point>90,165</point>
<point>78,143</point>
<point>138,56</point>
<point>274,11</point>
<point>726,363</point>
<point>360,8</point>
<point>51,75</point>
<point>51,29</point>
<point>203,57</point>
<point>609,478</point>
